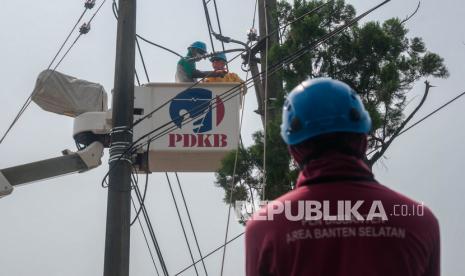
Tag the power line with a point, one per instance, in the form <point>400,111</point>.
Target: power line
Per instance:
<point>142,202</point>
<point>115,13</point>
<point>265,127</point>
<point>170,186</point>
<point>219,27</point>
<point>232,59</point>
<point>145,238</point>
<point>142,60</point>
<point>140,198</point>
<point>148,115</point>
<point>67,38</point>
<point>424,118</point>
<point>209,23</point>
<point>29,99</point>
<point>432,113</point>
<point>236,157</point>
<point>278,66</point>
<point>190,221</point>
<point>231,190</point>
<point>145,190</point>
<point>211,253</point>
<point>274,68</point>
<point>151,232</point>
<point>158,45</point>
<point>180,221</point>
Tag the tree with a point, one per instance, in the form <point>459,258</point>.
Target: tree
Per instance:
<point>377,59</point>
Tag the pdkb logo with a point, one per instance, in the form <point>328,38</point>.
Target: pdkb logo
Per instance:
<point>196,103</point>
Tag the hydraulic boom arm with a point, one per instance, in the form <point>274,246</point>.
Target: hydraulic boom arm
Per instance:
<point>70,162</point>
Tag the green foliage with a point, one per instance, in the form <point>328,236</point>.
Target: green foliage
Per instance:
<point>377,59</point>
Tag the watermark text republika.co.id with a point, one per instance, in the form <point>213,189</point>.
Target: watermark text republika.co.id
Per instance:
<point>313,210</point>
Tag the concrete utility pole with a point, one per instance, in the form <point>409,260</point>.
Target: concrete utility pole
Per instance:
<point>119,187</point>
<point>268,21</point>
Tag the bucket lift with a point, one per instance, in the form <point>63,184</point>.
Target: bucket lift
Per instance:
<point>203,127</point>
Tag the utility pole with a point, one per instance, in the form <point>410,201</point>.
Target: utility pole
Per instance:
<point>117,238</point>
<point>258,89</point>
<point>268,23</point>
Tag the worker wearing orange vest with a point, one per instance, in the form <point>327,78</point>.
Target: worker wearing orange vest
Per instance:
<point>219,65</point>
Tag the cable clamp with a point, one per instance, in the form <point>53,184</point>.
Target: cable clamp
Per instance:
<point>85,28</point>
<point>121,129</point>
<point>89,4</point>
<point>119,151</point>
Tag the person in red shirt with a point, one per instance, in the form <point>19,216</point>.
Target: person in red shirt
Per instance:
<point>338,221</point>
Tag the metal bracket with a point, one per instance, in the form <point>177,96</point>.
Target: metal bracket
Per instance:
<point>5,187</point>
<point>91,155</point>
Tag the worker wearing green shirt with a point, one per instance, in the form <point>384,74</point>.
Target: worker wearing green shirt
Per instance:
<point>186,70</point>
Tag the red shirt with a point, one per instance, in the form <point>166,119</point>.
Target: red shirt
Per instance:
<point>401,245</point>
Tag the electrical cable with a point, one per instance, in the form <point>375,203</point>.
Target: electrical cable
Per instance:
<point>29,99</point>
<point>278,65</point>
<point>211,253</point>
<point>232,59</point>
<point>145,238</point>
<point>265,100</point>
<point>158,45</point>
<point>258,43</point>
<point>190,221</point>
<point>142,203</point>
<point>67,38</point>
<point>209,24</point>
<point>236,157</point>
<point>115,13</point>
<point>231,191</point>
<point>299,53</point>
<point>219,28</point>
<point>180,221</point>
<point>148,115</point>
<point>317,8</point>
<point>140,198</point>
<point>148,144</point>
<point>432,113</point>
<point>254,14</point>
<point>424,118</point>
<point>142,60</point>
<point>151,232</point>
<point>170,186</point>
<point>274,68</point>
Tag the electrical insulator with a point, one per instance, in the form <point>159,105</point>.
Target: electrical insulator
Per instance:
<point>89,4</point>
<point>85,28</point>
<point>252,34</point>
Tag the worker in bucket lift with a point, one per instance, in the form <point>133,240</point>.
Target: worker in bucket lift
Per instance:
<point>186,70</point>
<point>338,221</point>
<point>219,62</point>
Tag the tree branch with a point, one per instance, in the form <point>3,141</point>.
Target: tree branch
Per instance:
<point>413,14</point>
<point>377,139</point>
<point>386,145</point>
<point>385,123</point>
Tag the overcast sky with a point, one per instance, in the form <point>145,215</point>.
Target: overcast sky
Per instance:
<point>57,227</point>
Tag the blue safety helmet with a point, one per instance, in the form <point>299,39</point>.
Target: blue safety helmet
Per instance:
<point>219,56</point>
<point>321,106</point>
<point>199,45</point>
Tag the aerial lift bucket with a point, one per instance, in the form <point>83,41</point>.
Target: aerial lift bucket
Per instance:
<point>195,126</point>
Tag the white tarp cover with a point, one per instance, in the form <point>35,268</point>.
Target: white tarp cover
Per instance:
<point>63,94</point>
